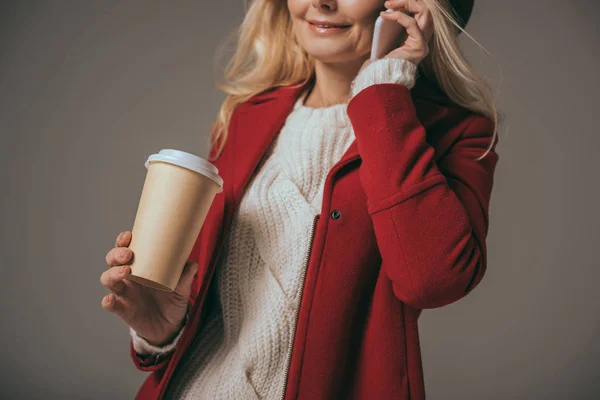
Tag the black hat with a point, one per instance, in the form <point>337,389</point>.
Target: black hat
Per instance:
<point>462,9</point>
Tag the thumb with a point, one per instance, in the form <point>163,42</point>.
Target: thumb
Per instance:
<point>187,276</point>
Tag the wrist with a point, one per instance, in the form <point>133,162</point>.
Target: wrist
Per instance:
<point>143,345</point>
<point>385,70</point>
<point>169,336</point>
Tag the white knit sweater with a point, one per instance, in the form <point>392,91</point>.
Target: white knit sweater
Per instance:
<point>242,350</point>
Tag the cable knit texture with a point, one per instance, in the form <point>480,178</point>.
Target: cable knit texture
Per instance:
<point>243,348</point>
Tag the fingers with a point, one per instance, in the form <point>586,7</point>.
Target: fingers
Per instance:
<point>123,239</point>
<point>408,5</point>
<point>418,10</point>
<point>118,256</point>
<point>412,28</point>
<point>112,279</point>
<point>115,305</point>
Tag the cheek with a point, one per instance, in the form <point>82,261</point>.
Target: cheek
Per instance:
<point>361,10</point>
<point>364,13</point>
<point>363,37</point>
<point>299,31</point>
<point>298,8</point>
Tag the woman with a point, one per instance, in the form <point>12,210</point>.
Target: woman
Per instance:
<point>356,195</point>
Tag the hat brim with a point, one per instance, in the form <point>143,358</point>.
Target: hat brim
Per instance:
<point>462,10</point>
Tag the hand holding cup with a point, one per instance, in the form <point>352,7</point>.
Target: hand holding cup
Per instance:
<point>151,288</point>
<point>154,314</point>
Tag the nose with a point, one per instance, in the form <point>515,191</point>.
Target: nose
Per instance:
<point>325,5</point>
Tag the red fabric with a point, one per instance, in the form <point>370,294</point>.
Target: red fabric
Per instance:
<point>414,218</point>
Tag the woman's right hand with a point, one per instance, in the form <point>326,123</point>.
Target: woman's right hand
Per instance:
<point>155,315</point>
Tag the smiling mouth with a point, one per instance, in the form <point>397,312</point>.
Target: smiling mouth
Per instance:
<point>325,26</point>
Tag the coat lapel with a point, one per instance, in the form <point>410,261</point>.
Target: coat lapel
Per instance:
<point>257,125</point>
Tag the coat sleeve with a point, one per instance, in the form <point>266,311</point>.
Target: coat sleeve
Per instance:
<point>430,219</point>
<point>149,362</point>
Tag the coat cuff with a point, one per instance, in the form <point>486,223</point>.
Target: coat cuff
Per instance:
<point>385,70</point>
<point>396,158</point>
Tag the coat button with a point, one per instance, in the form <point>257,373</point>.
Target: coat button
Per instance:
<point>335,214</point>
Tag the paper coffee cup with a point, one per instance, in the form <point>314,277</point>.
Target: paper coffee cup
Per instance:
<point>178,191</point>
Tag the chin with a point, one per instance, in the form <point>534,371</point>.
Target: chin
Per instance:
<point>329,55</point>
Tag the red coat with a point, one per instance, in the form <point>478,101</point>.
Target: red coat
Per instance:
<point>402,228</point>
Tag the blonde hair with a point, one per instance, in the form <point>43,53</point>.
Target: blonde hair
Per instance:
<point>267,56</point>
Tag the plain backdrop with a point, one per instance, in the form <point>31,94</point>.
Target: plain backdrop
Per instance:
<point>89,89</point>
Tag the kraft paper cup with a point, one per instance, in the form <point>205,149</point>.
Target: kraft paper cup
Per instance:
<point>178,191</point>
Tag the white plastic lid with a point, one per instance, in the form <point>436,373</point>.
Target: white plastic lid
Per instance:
<point>189,161</point>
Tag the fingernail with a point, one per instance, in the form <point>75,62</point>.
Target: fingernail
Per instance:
<point>124,253</point>
<point>123,268</point>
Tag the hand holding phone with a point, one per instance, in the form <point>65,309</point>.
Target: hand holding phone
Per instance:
<point>387,35</point>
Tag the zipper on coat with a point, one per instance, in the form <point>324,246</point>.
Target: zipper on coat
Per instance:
<point>297,312</point>
<point>339,165</point>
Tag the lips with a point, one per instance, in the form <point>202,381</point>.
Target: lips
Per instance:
<point>327,28</point>
<point>327,24</point>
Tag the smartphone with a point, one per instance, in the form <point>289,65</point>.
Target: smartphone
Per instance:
<point>387,36</point>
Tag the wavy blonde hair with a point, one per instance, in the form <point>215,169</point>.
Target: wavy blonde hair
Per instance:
<point>267,55</point>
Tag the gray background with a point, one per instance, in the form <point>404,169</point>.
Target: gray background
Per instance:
<point>88,89</point>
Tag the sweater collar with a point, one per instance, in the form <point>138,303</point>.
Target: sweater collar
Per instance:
<point>258,123</point>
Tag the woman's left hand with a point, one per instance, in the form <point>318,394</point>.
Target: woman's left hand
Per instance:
<point>419,29</point>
